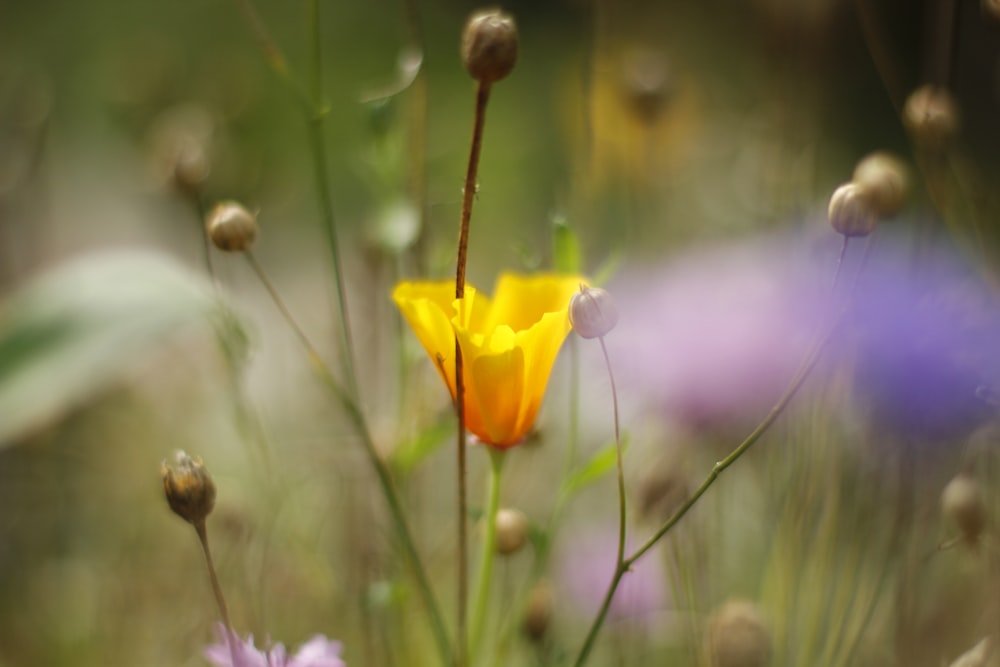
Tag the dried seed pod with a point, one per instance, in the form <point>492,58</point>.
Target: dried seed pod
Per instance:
<point>962,503</point>
<point>885,181</point>
<point>851,212</point>
<point>489,45</point>
<point>932,117</point>
<point>512,530</point>
<point>538,612</point>
<point>592,312</point>
<point>738,636</point>
<point>231,227</point>
<point>648,85</point>
<point>190,490</point>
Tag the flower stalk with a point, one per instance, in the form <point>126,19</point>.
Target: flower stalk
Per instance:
<point>489,551</point>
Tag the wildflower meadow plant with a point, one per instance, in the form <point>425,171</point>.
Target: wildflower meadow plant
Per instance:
<point>732,401</point>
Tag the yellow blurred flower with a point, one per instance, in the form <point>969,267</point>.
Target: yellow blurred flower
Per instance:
<point>509,344</point>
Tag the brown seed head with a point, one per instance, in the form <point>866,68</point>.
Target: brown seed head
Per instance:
<point>738,636</point>
<point>851,212</point>
<point>962,503</point>
<point>189,489</point>
<point>884,178</point>
<point>592,312</point>
<point>648,85</point>
<point>231,227</point>
<point>489,45</point>
<point>538,612</point>
<point>512,530</point>
<point>932,117</point>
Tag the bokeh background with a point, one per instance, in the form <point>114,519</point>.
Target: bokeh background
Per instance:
<point>690,147</point>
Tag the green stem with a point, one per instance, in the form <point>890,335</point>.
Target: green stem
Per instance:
<point>317,143</point>
<point>622,515</point>
<point>358,421</point>
<point>797,381</point>
<point>489,551</point>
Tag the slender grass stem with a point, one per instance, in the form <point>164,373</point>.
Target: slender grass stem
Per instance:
<point>808,363</point>
<point>317,143</point>
<point>220,599</point>
<point>468,195</point>
<point>488,555</point>
<point>350,406</point>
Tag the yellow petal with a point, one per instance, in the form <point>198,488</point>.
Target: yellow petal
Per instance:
<point>428,308</point>
<point>520,301</point>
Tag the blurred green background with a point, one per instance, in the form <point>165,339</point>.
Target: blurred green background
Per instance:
<point>652,127</point>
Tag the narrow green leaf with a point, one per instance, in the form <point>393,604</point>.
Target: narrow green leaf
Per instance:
<point>412,452</point>
<point>600,464</point>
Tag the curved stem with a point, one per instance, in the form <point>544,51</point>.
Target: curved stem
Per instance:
<point>317,144</point>
<point>797,381</point>
<point>220,599</point>
<point>622,524</point>
<point>489,552</point>
<point>358,421</point>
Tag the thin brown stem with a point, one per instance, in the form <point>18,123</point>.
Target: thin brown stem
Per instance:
<point>468,195</point>
<point>220,599</point>
<point>469,191</point>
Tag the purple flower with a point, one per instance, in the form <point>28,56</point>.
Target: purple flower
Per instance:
<point>317,652</point>
<point>716,334</point>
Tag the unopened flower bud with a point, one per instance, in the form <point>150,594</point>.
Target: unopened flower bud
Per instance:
<point>538,612</point>
<point>231,227</point>
<point>489,45</point>
<point>962,503</point>
<point>738,636</point>
<point>189,489</point>
<point>884,179</point>
<point>931,115</point>
<point>851,212</point>
<point>592,312</point>
<point>191,168</point>
<point>512,530</point>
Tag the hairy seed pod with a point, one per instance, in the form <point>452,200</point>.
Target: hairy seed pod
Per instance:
<point>850,211</point>
<point>538,612</point>
<point>932,117</point>
<point>884,178</point>
<point>512,530</point>
<point>489,45</point>
<point>962,503</point>
<point>231,227</point>
<point>592,312</point>
<point>189,489</point>
<point>738,636</point>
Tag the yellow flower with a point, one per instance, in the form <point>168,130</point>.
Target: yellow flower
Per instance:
<point>508,345</point>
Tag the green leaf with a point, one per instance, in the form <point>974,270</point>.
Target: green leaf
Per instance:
<point>409,455</point>
<point>69,334</point>
<point>567,255</point>
<point>600,464</point>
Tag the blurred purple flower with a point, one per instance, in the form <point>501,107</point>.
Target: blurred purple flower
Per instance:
<point>317,652</point>
<point>717,333</point>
